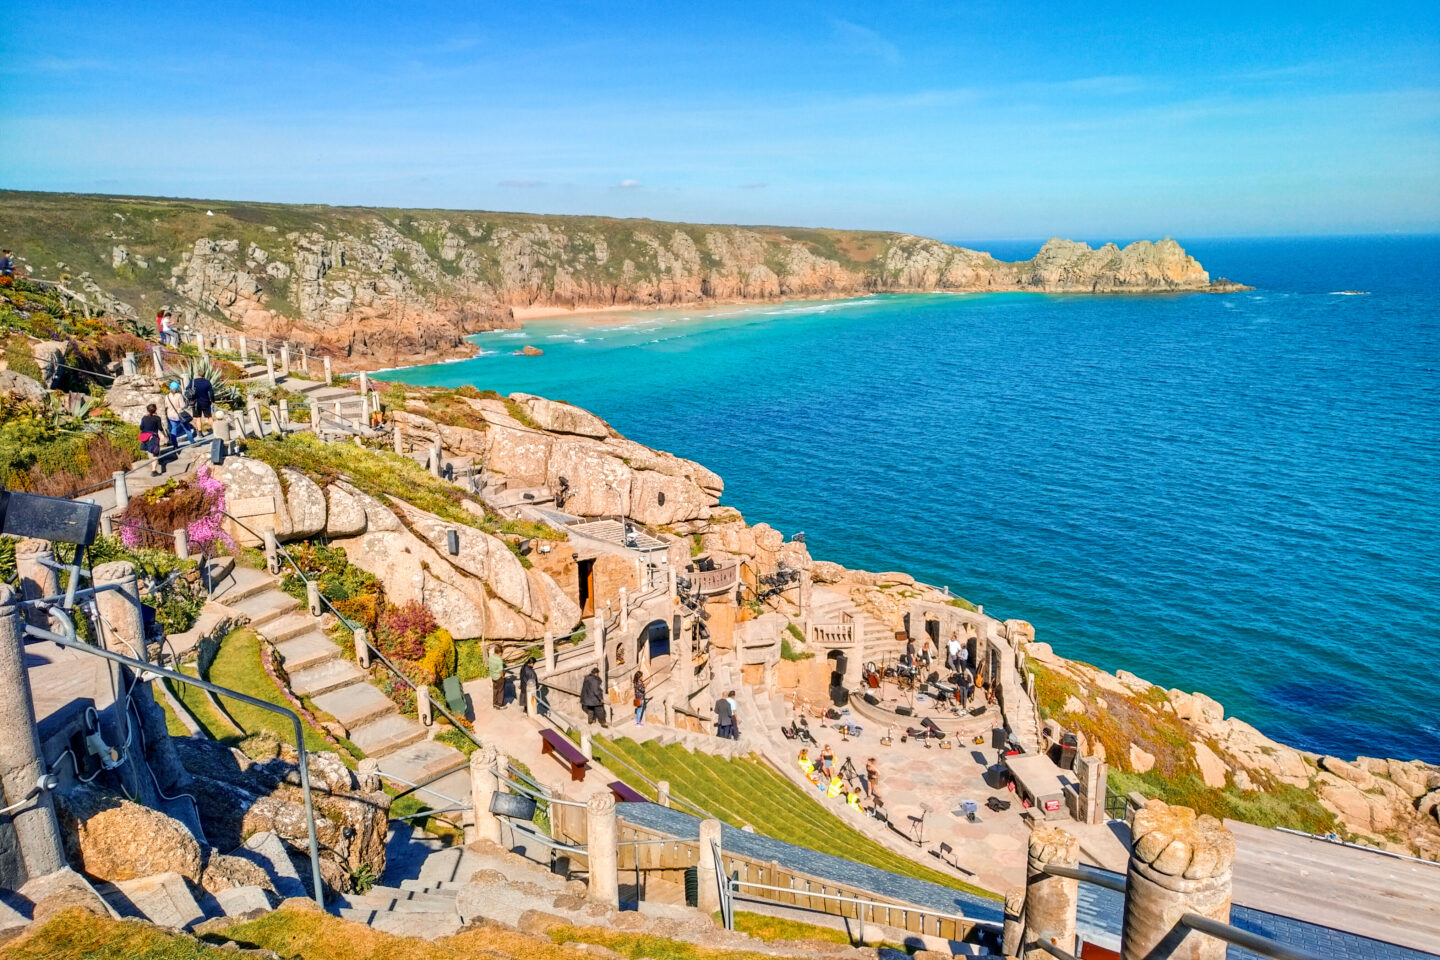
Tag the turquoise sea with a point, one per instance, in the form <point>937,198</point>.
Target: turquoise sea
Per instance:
<point>1238,494</point>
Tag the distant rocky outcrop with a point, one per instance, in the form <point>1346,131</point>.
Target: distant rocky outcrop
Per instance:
<point>384,286</point>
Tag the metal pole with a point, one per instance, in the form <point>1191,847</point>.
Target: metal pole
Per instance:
<point>65,637</point>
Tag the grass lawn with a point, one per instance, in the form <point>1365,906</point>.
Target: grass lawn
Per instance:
<point>748,792</point>
<point>237,666</point>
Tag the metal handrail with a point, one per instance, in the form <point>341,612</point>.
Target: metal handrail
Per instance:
<point>351,626</point>
<point>1254,942</point>
<point>141,465</point>
<point>412,786</point>
<point>67,638</point>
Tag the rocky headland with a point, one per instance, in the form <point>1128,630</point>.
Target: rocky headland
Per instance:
<point>377,287</point>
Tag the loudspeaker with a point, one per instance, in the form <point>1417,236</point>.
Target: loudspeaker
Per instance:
<point>871,699</point>
<point>837,678</point>
<point>514,805</point>
<point>840,663</point>
<point>839,695</point>
<point>904,711</point>
<point>998,738</point>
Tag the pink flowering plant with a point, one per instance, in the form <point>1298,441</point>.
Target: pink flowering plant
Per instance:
<point>150,520</point>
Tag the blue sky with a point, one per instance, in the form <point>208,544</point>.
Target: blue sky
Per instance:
<point>974,120</point>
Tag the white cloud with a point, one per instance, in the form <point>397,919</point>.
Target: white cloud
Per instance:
<point>628,184</point>
<point>864,40</point>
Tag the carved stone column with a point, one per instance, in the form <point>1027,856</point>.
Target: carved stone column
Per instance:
<point>1179,863</point>
<point>1050,902</point>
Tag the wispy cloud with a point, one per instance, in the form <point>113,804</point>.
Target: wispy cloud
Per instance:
<point>521,184</point>
<point>628,184</point>
<point>864,40</point>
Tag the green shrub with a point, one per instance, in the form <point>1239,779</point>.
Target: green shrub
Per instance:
<point>470,661</point>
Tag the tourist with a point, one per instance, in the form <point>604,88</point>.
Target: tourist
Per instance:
<point>640,699</point>
<point>167,329</point>
<point>952,659</point>
<point>592,698</point>
<point>963,681</point>
<point>529,681</point>
<point>724,718</point>
<point>177,415</point>
<point>827,761</point>
<point>201,394</point>
<point>852,800</point>
<point>150,428</point>
<point>837,786</point>
<point>734,716</point>
<point>7,268</point>
<point>872,779</point>
<point>806,764</point>
<point>495,666</point>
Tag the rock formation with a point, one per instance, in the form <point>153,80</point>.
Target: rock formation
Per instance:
<point>392,286</point>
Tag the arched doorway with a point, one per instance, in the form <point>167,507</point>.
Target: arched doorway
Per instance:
<point>657,639</point>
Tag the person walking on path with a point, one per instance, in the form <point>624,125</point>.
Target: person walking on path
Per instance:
<point>7,268</point>
<point>592,697</point>
<point>724,718</point>
<point>734,716</point>
<point>640,699</point>
<point>872,779</point>
<point>528,681</point>
<point>166,324</point>
<point>150,427</point>
<point>176,414</point>
<point>495,666</point>
<point>201,394</point>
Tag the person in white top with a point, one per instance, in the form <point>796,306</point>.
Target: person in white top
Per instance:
<point>952,659</point>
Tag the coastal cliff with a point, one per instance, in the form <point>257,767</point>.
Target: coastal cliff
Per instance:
<point>383,286</point>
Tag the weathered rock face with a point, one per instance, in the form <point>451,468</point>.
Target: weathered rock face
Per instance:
<point>239,797</point>
<point>254,497</point>
<point>17,384</point>
<point>111,838</point>
<point>387,286</point>
<point>562,417</point>
<point>129,395</point>
<point>304,505</point>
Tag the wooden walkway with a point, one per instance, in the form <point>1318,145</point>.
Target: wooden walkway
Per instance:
<point>1391,899</point>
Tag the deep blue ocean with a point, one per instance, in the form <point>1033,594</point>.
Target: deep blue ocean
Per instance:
<point>1238,494</point>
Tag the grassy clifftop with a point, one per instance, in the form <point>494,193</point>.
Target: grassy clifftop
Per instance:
<point>404,284</point>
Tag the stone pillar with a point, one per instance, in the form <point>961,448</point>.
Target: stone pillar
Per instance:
<point>275,418</point>
<point>362,650</point>
<point>272,552</point>
<point>484,784</point>
<point>805,589</point>
<point>124,633</point>
<point>270,369</point>
<point>158,360</point>
<point>1050,902</point>
<point>685,656</point>
<point>602,850</point>
<point>244,349</point>
<point>305,360</point>
<point>329,373</point>
<point>422,705</point>
<point>222,427</point>
<point>182,543</point>
<point>129,367</point>
<point>1090,773</point>
<point>312,598</point>
<point>399,440</point>
<point>597,639</point>
<point>772,680</point>
<point>437,454</point>
<point>709,899</point>
<point>1014,930</point>
<point>122,492</point>
<point>256,426</point>
<point>624,602</point>
<point>36,579</point>
<point>587,746</point>
<point>107,525</point>
<point>662,792</point>
<point>1179,863</point>
<point>200,343</point>
<point>549,653</point>
<point>670,584</point>
<point>364,383</point>
<point>36,830</point>
<point>285,359</point>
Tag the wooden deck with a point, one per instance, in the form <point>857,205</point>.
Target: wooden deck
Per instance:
<point>1387,898</point>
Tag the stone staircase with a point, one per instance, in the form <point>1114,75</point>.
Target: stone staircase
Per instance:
<point>830,607</point>
<point>337,686</point>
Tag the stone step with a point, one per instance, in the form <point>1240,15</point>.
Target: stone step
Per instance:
<point>290,625</point>
<point>241,900</point>
<point>434,886</point>
<point>325,677</point>
<point>307,650</point>
<point>267,851</point>
<point>386,734</point>
<point>451,865</point>
<point>163,899</point>
<point>244,582</point>
<point>355,705</point>
<point>430,925</point>
<point>422,760</point>
<point>265,606</point>
<point>395,898</point>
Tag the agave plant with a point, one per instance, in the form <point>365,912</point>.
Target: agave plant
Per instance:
<point>70,412</point>
<point>224,392</point>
